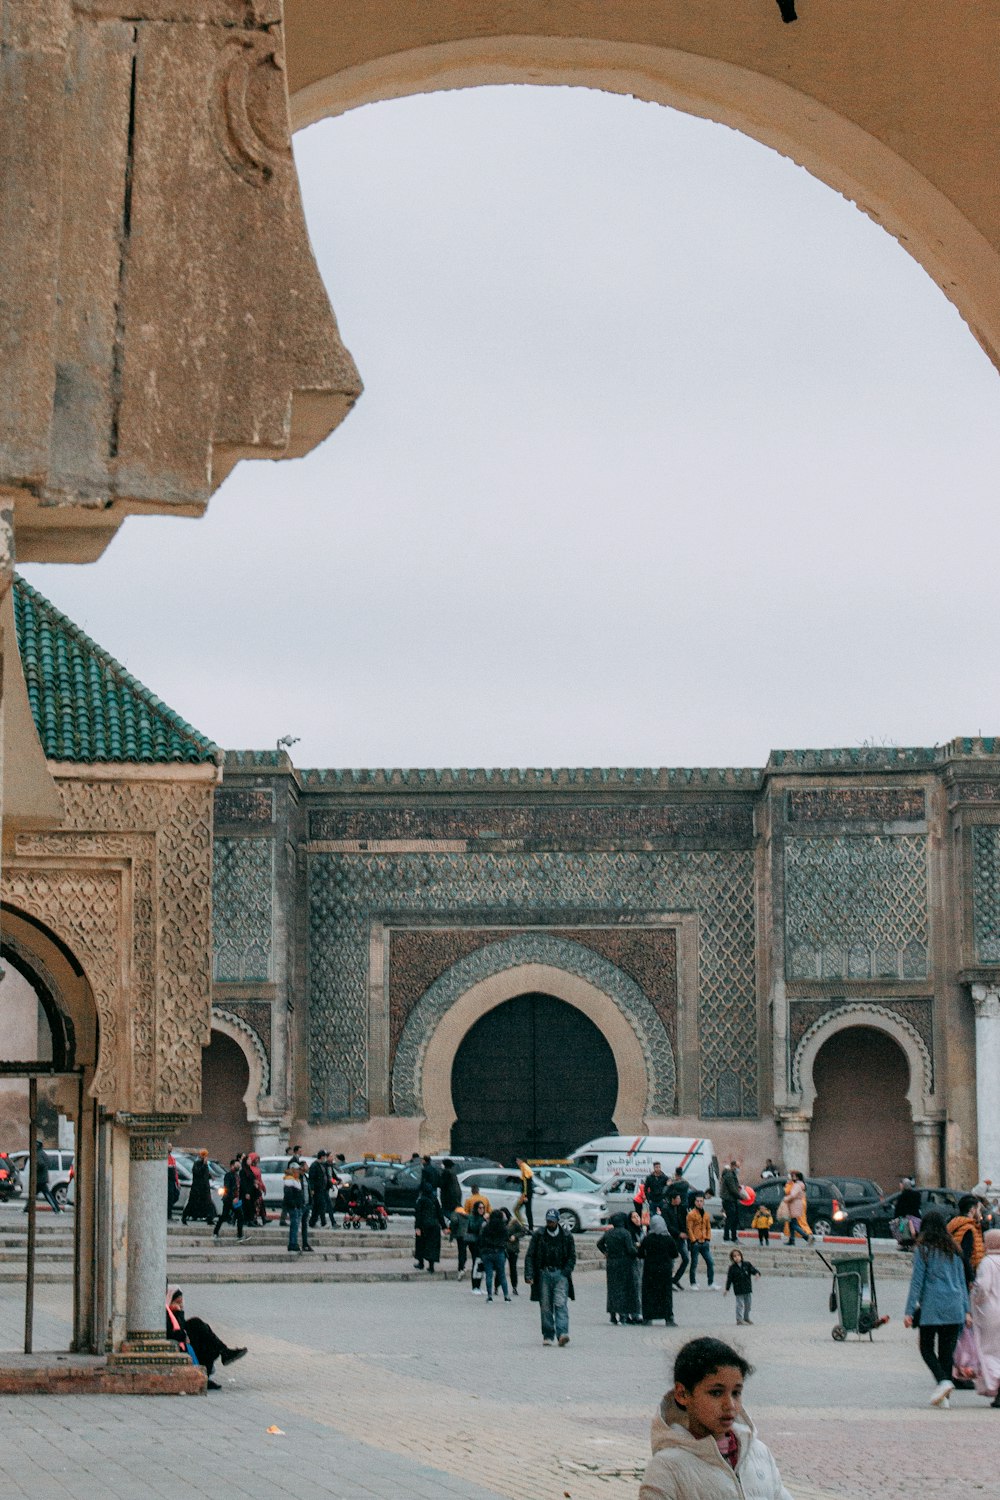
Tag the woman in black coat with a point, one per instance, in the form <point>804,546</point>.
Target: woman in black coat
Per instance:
<point>658,1252</point>
<point>618,1248</point>
<point>515,1233</point>
<point>428,1222</point>
<point>199,1203</point>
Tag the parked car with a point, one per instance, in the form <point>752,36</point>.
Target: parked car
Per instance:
<point>10,1179</point>
<point>824,1204</point>
<point>619,1194</point>
<point>855,1192</point>
<point>578,1210</point>
<point>60,1170</point>
<point>879,1215</point>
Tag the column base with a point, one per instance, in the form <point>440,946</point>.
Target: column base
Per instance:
<point>156,1349</point>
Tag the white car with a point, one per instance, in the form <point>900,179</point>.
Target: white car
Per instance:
<point>579,1207</point>
<point>60,1172</point>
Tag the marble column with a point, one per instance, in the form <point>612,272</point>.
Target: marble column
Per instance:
<point>927,1150</point>
<point>795,1142</point>
<point>986,998</point>
<point>146,1286</point>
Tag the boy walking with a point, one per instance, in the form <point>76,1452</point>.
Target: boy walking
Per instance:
<point>739,1280</point>
<point>762,1222</point>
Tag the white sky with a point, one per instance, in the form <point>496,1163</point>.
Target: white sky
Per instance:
<point>667,456</point>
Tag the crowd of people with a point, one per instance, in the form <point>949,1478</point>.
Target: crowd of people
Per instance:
<point>954,1301</point>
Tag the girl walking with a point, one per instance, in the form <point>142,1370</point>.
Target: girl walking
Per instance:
<point>739,1281</point>
<point>938,1302</point>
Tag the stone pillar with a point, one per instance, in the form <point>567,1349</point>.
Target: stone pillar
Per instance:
<point>927,1149</point>
<point>146,1341</point>
<point>795,1142</point>
<point>986,998</point>
<point>270,1137</point>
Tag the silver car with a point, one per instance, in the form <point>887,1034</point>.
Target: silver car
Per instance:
<point>579,1207</point>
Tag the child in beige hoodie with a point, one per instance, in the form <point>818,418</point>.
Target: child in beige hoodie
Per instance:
<point>704,1445</point>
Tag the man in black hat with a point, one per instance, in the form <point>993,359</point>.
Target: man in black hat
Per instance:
<point>548,1270</point>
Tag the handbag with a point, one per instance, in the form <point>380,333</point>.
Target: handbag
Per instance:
<point>965,1360</point>
<point>915,1320</point>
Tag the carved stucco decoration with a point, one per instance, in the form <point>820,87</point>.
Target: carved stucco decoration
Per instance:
<point>163,315</point>
<point>127,884</point>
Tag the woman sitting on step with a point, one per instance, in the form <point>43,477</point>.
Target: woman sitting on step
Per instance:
<point>197,1340</point>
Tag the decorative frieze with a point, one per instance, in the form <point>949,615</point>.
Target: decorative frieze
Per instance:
<point>875,804</point>
<point>244,805</point>
<point>856,908</point>
<point>634,826</point>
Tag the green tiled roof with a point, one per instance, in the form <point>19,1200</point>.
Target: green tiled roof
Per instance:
<point>85,705</point>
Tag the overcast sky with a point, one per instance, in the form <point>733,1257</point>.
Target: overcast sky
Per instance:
<point>667,456</point>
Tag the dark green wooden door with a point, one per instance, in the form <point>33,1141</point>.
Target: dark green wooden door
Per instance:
<point>534,1078</point>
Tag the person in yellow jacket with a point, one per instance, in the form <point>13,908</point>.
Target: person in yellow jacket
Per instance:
<point>469,1206</point>
<point>762,1221</point>
<point>699,1233</point>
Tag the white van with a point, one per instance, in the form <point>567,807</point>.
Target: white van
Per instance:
<point>621,1155</point>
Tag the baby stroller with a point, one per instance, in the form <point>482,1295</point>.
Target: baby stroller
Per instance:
<point>364,1206</point>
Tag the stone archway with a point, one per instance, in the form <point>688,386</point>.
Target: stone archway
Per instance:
<point>862,1123</point>
<point>917,1091</point>
<point>815,92</point>
<point>446,1012</point>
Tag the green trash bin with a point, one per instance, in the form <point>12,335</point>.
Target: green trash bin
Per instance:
<point>852,1273</point>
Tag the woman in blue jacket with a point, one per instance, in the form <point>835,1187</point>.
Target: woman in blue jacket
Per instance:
<point>939,1295</point>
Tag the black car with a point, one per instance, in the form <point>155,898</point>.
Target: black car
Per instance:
<point>879,1215</point>
<point>398,1182</point>
<point>824,1202</point>
<point>855,1192</point>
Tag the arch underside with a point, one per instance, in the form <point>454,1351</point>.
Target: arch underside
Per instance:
<point>829,117</point>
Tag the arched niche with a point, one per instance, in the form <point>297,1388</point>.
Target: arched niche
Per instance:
<point>879,1018</point>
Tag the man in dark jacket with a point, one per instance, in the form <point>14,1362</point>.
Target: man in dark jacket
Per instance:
<point>319,1191</point>
<point>656,1186</point>
<point>450,1189</point>
<point>729,1192</point>
<point>229,1213</point>
<point>675,1218</point>
<point>548,1269</point>
<point>294,1202</point>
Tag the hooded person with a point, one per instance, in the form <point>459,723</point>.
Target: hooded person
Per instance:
<point>705,1447</point>
<point>199,1204</point>
<point>196,1339</point>
<point>428,1222</point>
<point>658,1251</point>
<point>617,1245</point>
<point>985,1298</point>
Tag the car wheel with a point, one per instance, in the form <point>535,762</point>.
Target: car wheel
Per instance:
<point>822,1226</point>
<point>569,1220</point>
<point>60,1194</point>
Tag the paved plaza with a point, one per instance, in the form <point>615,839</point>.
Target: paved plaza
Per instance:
<point>423,1390</point>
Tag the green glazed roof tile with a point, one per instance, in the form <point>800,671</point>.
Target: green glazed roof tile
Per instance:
<point>85,705</point>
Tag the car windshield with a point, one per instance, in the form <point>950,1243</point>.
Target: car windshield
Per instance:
<point>568,1179</point>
